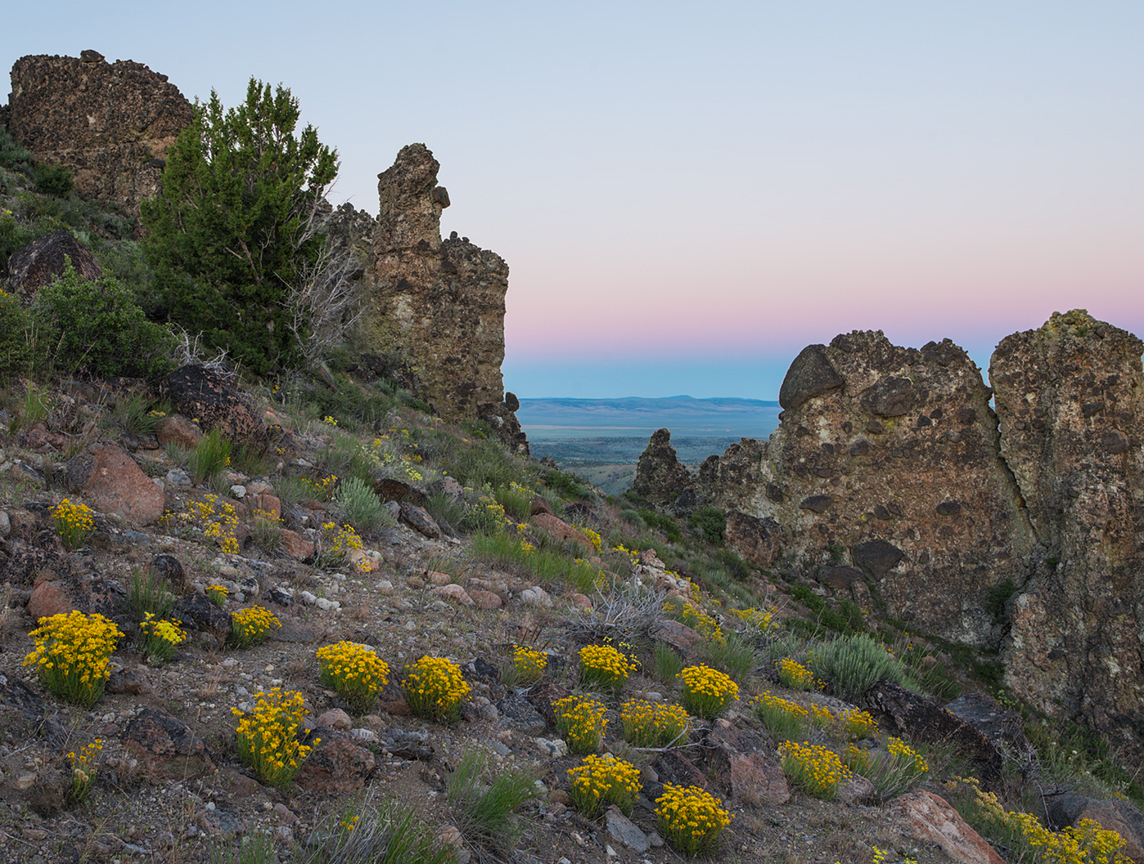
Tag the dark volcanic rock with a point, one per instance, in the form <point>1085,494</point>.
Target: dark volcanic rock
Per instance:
<point>756,541</point>
<point>206,397</point>
<point>811,374</point>
<point>167,746</point>
<point>43,260</point>
<point>660,476</point>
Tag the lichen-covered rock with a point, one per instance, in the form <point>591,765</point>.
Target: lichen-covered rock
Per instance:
<point>110,123</point>
<point>1070,397</point>
<point>888,455</point>
<point>660,476</point>
<point>43,260</point>
<point>438,305</point>
<point>206,397</point>
<point>167,746</point>
<point>113,483</point>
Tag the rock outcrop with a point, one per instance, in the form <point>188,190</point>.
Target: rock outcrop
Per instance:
<point>437,304</point>
<point>1019,530</point>
<point>110,123</point>
<point>44,260</point>
<point>887,458</point>
<point>1070,397</point>
<point>660,476</point>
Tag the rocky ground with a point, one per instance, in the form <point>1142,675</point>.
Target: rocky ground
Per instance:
<point>169,786</point>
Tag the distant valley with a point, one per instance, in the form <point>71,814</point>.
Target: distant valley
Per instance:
<point>601,439</point>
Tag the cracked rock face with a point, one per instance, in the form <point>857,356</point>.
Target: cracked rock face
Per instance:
<point>886,458</point>
<point>110,123</point>
<point>1070,397</point>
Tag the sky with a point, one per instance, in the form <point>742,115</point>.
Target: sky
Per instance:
<point>687,194</point>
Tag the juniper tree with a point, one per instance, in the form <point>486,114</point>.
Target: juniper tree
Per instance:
<point>232,230</point>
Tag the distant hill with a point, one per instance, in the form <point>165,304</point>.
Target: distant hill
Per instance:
<point>685,416</point>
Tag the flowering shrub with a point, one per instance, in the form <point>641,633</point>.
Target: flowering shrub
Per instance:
<point>856,725</point>
<point>252,625</point>
<point>794,675</point>
<point>604,779</point>
<point>322,489</point>
<point>83,770</point>
<point>216,521</point>
<point>159,637</point>
<point>817,770</point>
<point>605,666</point>
<point>820,715</point>
<point>217,594</point>
<point>689,613</point>
<point>707,692</point>
<point>354,672</point>
<point>335,544</point>
<point>74,522</point>
<point>1083,843</point>
<point>434,689</point>
<point>760,620</point>
<point>267,737</point>
<point>895,770</point>
<point>580,722</point>
<point>784,719</point>
<point>487,516</point>
<point>690,819</point>
<point>528,663</point>
<point>651,724</point>
<point>71,655</point>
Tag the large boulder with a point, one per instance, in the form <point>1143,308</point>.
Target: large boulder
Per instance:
<point>110,123</point>
<point>1070,398</point>
<point>205,396</point>
<point>43,261</point>
<point>113,483</point>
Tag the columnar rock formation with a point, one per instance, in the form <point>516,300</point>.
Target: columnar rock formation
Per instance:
<point>1020,530</point>
<point>438,305</point>
<point>110,123</point>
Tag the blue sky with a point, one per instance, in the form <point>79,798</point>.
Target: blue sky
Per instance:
<point>687,194</point>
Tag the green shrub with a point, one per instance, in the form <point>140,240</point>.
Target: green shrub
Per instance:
<point>54,180</point>
<point>17,337</point>
<point>209,458</point>
<point>711,524</point>
<point>362,507</point>
<point>566,483</point>
<point>663,523</point>
<point>853,664</point>
<point>14,156</point>
<point>96,326</point>
<point>14,236</point>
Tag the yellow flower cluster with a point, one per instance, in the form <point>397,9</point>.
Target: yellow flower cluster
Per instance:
<point>594,537</point>
<point>857,760</point>
<point>856,724</point>
<point>354,672</point>
<point>902,752</point>
<point>632,555</point>
<point>336,543</point>
<point>252,625</point>
<point>529,664</point>
<point>690,819</point>
<point>820,715</point>
<point>652,724</point>
<point>84,769</point>
<point>604,779</point>
<point>580,722</point>
<point>817,770</point>
<point>217,521</point>
<point>71,655</point>
<point>1083,843</point>
<point>267,737</point>
<point>217,594</point>
<point>707,692</point>
<point>689,612</point>
<point>160,637</point>
<point>782,717</point>
<point>605,666</point>
<point>323,488</point>
<point>435,689</point>
<point>74,523</point>
<point>794,675</point>
<point>758,619</point>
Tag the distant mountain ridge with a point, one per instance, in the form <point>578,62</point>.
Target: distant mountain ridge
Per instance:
<point>683,415</point>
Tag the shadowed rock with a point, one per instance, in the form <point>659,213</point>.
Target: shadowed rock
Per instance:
<point>660,476</point>
<point>43,261</point>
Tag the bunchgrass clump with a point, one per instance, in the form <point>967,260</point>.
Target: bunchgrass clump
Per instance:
<point>853,664</point>
<point>601,780</point>
<point>354,672</point>
<point>364,833</point>
<point>815,769</point>
<point>71,655</point>
<point>653,724</point>
<point>794,675</point>
<point>159,638</point>
<point>434,689</point>
<point>604,667</point>
<point>733,654</point>
<point>361,506</point>
<point>252,625</point>
<point>690,819</point>
<point>666,663</point>
<point>707,692</point>
<point>897,769</point>
<point>485,805</point>
<point>209,458</point>
<point>581,723</point>
<point>266,529</point>
<point>84,765</point>
<point>74,522</point>
<point>148,594</point>
<point>267,737</point>
<point>784,719</point>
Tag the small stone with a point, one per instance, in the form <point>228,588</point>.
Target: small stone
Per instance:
<point>537,597</point>
<point>336,718</point>
<point>238,492</point>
